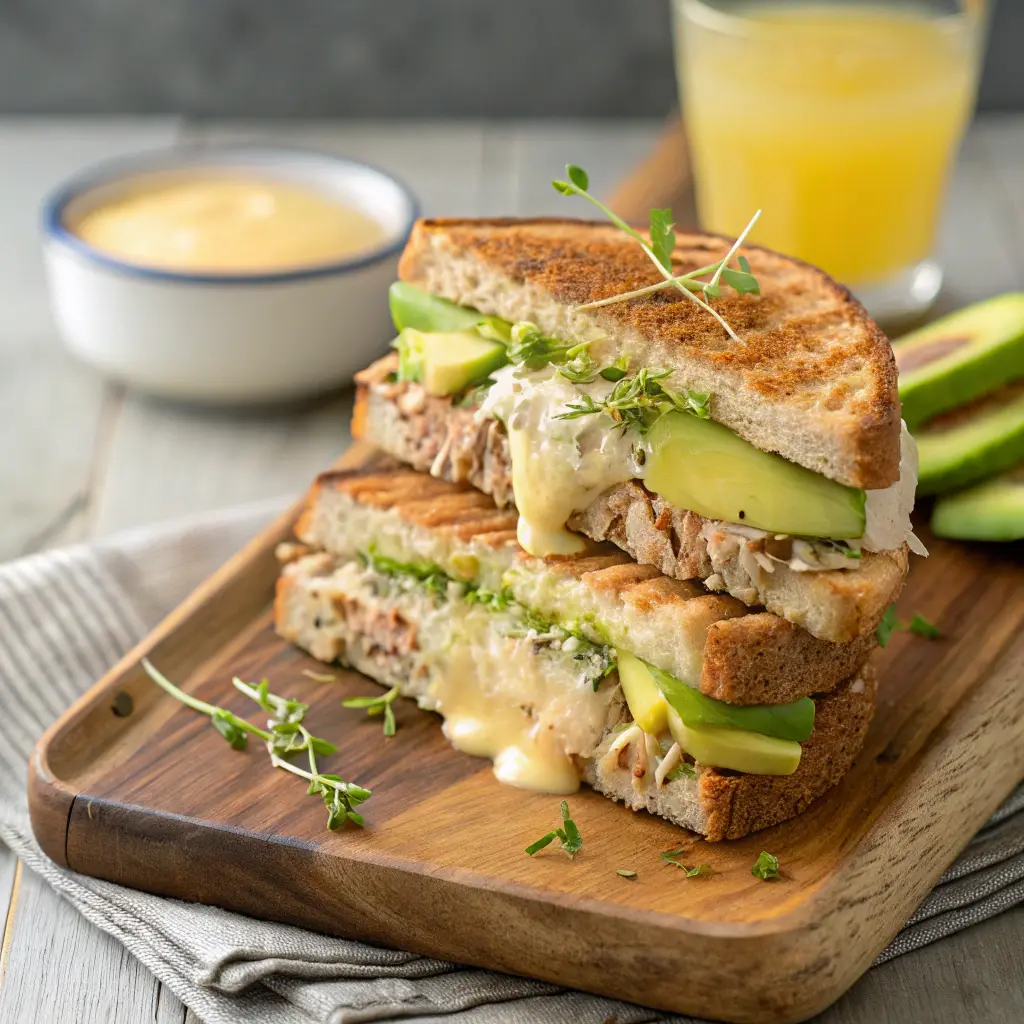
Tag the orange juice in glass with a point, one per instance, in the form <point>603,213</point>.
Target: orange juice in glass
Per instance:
<point>841,121</point>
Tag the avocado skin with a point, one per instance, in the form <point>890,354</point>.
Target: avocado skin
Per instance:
<point>990,354</point>
<point>992,511</point>
<point>971,444</point>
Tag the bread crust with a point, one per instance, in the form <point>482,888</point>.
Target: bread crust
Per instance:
<point>736,804</point>
<point>814,378</point>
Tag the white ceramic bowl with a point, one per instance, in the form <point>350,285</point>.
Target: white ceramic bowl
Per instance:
<point>227,337</point>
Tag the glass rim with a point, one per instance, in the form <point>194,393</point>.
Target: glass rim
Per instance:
<point>705,14</point>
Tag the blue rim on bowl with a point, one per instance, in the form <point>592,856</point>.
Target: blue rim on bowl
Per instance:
<point>155,161</point>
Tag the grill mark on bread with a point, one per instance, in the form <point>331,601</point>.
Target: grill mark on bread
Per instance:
<point>823,369</point>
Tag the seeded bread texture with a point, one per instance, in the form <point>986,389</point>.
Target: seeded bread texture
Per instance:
<point>813,378</point>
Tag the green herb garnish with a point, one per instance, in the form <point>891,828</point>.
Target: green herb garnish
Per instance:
<point>662,243</point>
<point>684,768</point>
<point>568,835</point>
<point>918,625</point>
<point>766,866</point>
<point>377,706</point>
<point>672,857</point>
<point>533,350</point>
<point>640,400</point>
<point>625,872</point>
<point>922,627</point>
<point>284,736</point>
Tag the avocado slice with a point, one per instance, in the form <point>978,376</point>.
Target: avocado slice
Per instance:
<point>646,704</point>
<point>413,307</point>
<point>785,721</point>
<point>970,444</point>
<point>702,466</point>
<point>993,510</point>
<point>447,363</point>
<point>749,752</point>
<point>960,357</point>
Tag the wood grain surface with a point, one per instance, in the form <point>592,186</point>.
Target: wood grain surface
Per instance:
<point>156,800</point>
<point>100,459</point>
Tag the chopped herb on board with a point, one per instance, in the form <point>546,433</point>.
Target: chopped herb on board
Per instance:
<point>918,625</point>
<point>626,873</point>
<point>568,835</point>
<point>699,870</point>
<point>766,866</point>
<point>380,705</point>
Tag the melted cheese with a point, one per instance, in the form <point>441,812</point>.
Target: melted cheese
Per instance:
<point>559,466</point>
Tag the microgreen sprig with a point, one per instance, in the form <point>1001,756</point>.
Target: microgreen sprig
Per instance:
<point>284,736</point>
<point>918,625</point>
<point>568,835</point>
<point>380,705</point>
<point>529,348</point>
<point>662,243</point>
<point>638,400</point>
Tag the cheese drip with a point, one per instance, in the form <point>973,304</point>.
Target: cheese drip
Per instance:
<point>559,466</point>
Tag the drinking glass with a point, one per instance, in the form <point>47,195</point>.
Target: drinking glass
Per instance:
<point>841,121</point>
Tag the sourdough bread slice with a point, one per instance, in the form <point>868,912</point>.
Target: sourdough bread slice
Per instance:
<point>813,377</point>
<point>434,435</point>
<point>396,634</point>
<point>709,640</point>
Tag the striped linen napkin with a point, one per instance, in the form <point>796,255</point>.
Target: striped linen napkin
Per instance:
<point>81,608</point>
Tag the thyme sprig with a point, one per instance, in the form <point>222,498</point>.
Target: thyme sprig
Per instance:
<point>379,705</point>
<point>284,737</point>
<point>639,400</point>
<point>659,250</point>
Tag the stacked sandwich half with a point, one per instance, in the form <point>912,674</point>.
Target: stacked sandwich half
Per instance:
<point>616,533</point>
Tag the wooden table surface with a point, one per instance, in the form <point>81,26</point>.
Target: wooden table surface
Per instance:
<point>82,457</point>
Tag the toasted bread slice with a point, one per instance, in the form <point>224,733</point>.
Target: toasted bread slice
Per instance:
<point>709,640</point>
<point>813,378</point>
<point>434,435</point>
<point>340,612</point>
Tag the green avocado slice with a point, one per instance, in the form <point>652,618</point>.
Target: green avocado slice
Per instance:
<point>447,363</point>
<point>960,357</point>
<point>786,721</point>
<point>993,510</point>
<point>970,444</point>
<point>704,467</point>
<point>413,307</point>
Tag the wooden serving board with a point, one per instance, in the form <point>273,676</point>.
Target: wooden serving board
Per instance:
<point>132,787</point>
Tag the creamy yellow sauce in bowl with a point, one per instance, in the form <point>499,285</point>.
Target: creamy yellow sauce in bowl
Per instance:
<point>227,274</point>
<point>227,222</point>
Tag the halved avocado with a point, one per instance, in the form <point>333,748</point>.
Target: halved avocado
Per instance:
<point>972,443</point>
<point>704,467</point>
<point>993,510</point>
<point>960,357</point>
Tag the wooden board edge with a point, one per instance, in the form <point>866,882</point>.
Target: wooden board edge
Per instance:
<point>952,765</point>
<point>50,798</point>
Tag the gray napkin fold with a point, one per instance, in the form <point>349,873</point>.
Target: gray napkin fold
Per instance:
<point>79,609</point>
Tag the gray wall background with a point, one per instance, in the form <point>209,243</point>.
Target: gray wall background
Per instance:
<point>369,58</point>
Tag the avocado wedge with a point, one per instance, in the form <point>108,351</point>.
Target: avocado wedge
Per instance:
<point>972,443</point>
<point>993,510</point>
<point>413,307</point>
<point>960,357</point>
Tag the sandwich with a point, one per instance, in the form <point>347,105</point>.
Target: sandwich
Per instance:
<point>587,667</point>
<point>751,442</point>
